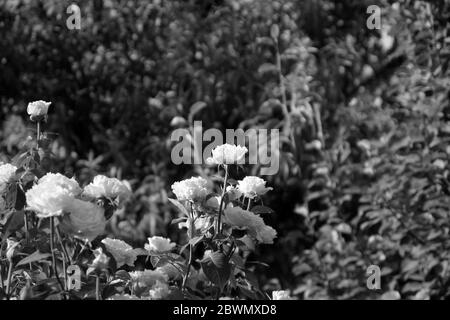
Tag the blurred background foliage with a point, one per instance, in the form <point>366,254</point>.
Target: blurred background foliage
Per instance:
<point>364,116</point>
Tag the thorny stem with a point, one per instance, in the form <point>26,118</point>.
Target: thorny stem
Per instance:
<point>219,222</point>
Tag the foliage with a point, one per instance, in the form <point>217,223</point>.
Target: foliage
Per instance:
<point>364,116</point>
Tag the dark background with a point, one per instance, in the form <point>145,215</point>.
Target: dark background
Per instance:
<point>364,162</point>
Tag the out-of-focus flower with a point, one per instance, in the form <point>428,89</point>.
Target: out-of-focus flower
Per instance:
<point>38,109</point>
<point>237,217</point>
<point>84,220</point>
<point>227,154</point>
<point>233,193</point>
<point>439,163</point>
<point>193,189</point>
<point>111,188</point>
<point>281,295</point>
<point>390,295</point>
<point>170,271</point>
<point>265,234</point>
<point>100,261</point>
<point>122,252</point>
<point>144,280</point>
<point>252,187</point>
<point>159,245</point>
<point>386,40</point>
<point>160,290</point>
<point>7,171</point>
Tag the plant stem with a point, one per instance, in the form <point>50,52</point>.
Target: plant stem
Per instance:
<point>27,233</point>
<point>249,203</point>
<point>97,287</point>
<point>1,276</point>
<point>38,130</point>
<point>52,249</point>
<point>219,222</point>
<point>8,281</point>
<point>191,251</point>
<point>191,247</point>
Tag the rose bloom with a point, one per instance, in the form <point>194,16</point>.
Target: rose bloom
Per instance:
<point>84,220</point>
<point>57,179</point>
<point>159,291</point>
<point>145,280</point>
<point>7,171</point>
<point>265,234</point>
<point>192,189</point>
<point>227,154</point>
<point>51,195</point>
<point>111,188</point>
<point>240,218</point>
<point>122,252</point>
<point>38,108</point>
<point>159,244</point>
<point>252,187</point>
<point>101,260</point>
<point>48,200</point>
<point>281,295</point>
<point>233,193</point>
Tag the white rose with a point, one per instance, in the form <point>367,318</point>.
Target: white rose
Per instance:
<point>111,188</point>
<point>281,295</point>
<point>265,234</point>
<point>159,244</point>
<point>122,252</point>
<point>192,189</point>
<point>38,108</point>
<point>227,154</point>
<point>252,187</point>
<point>101,260</point>
<point>159,291</point>
<point>144,280</point>
<point>233,193</point>
<point>48,200</point>
<point>57,179</point>
<point>84,219</point>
